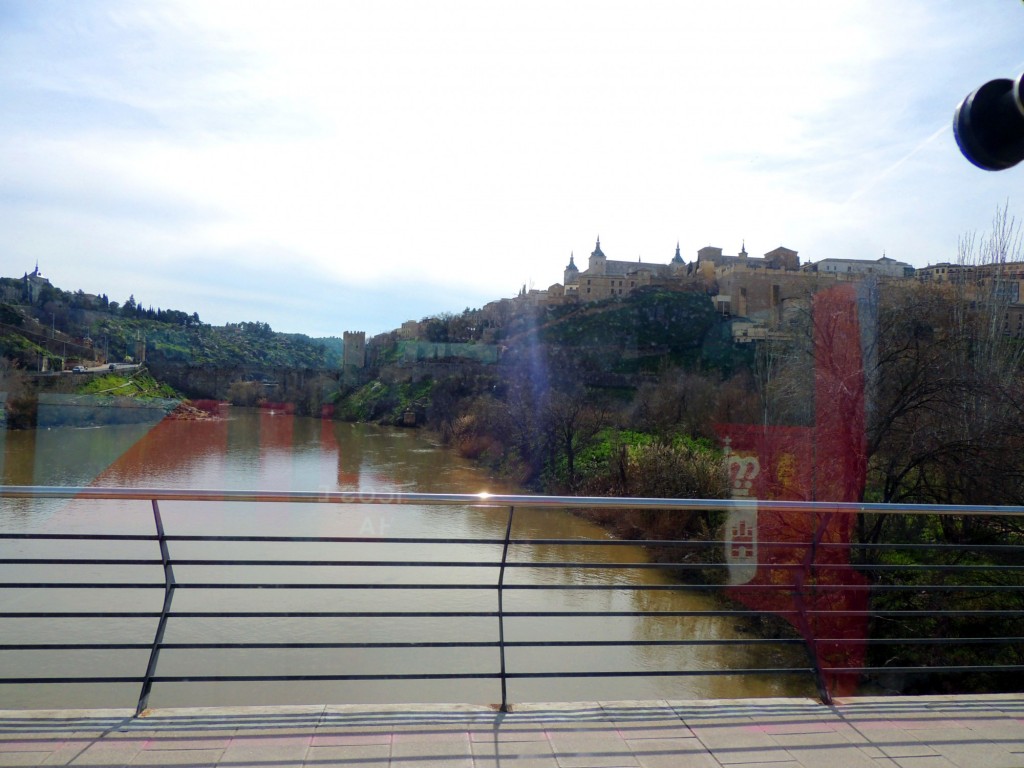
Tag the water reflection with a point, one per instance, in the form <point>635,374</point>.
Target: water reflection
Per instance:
<point>257,449</point>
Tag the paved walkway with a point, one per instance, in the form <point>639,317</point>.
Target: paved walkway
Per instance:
<point>927,732</point>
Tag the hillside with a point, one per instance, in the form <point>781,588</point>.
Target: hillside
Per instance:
<point>48,328</point>
<point>615,339</point>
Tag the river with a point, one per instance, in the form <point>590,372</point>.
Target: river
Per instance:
<point>266,450</point>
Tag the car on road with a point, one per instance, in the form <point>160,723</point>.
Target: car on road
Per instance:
<point>78,369</point>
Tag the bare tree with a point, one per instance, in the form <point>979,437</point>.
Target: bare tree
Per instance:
<point>570,423</point>
<point>947,411</point>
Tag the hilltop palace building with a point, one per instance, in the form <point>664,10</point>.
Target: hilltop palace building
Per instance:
<point>740,284</point>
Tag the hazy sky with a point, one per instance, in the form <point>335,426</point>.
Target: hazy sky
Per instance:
<point>350,165</point>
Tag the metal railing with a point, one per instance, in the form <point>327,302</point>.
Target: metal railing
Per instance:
<point>968,586</point>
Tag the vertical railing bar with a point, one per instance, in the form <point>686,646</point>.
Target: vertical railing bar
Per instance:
<point>810,635</point>
<point>810,641</point>
<point>169,584</point>
<point>501,610</point>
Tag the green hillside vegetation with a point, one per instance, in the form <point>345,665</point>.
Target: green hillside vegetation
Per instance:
<point>135,384</point>
<point>387,404</point>
<point>244,343</point>
<point>64,324</point>
<point>648,331</point>
<point>651,322</point>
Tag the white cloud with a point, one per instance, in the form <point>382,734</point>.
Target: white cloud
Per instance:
<point>474,145</point>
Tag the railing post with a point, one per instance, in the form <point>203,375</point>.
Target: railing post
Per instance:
<point>501,609</point>
<point>809,632</point>
<point>169,584</point>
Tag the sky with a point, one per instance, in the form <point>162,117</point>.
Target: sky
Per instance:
<point>339,166</point>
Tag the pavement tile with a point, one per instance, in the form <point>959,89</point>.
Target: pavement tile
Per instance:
<point>23,758</point>
<point>431,736</point>
<point>358,755</point>
<point>186,742</point>
<point>272,740</point>
<point>890,741</point>
<point>748,757</point>
<point>933,761</point>
<point>743,749</point>
<point>899,747</point>
<point>825,749</point>
<point>328,738</point>
<point>735,739</point>
<point>574,750</point>
<point>32,744</point>
<point>870,750</point>
<point>645,720</point>
<point>294,732</point>
<point>513,754</point>
<point>1008,733</point>
<point>583,724</point>
<point>671,753</point>
<point>202,758</point>
<point>902,724</point>
<point>925,732</point>
<point>509,732</point>
<point>400,719</point>
<point>64,755</point>
<point>434,754</point>
<point>963,746</point>
<point>793,727</point>
<point>107,753</point>
<point>259,752</point>
<point>653,729</point>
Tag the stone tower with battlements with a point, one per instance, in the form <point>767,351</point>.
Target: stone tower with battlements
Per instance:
<point>354,354</point>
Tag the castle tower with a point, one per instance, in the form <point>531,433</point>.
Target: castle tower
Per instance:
<point>354,351</point>
<point>678,258</point>
<point>572,273</point>
<point>598,260</point>
<point>140,347</point>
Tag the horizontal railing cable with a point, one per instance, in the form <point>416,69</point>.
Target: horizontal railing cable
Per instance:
<point>947,583</point>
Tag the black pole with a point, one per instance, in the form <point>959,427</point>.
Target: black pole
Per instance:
<point>169,584</point>
<point>501,609</point>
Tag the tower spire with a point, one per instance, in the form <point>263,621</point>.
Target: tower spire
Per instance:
<point>678,258</point>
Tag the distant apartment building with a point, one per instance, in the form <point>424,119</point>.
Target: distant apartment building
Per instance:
<point>411,329</point>
<point>1001,279</point>
<point>763,288</point>
<point>858,269</point>
<point>1000,282</point>
<point>945,272</point>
